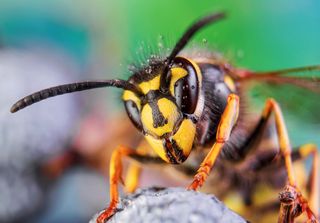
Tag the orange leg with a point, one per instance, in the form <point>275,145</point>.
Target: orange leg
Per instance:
<point>115,177</point>
<point>313,182</point>
<point>132,177</point>
<point>292,201</point>
<point>289,195</point>
<point>228,120</point>
<point>134,170</point>
<point>285,147</point>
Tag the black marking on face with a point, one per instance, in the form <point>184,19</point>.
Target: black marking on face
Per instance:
<point>158,119</point>
<point>170,156</point>
<point>178,151</point>
<point>152,100</point>
<point>173,151</point>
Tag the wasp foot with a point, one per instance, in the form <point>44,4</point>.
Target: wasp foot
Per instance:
<point>293,204</point>
<point>199,178</point>
<point>107,213</point>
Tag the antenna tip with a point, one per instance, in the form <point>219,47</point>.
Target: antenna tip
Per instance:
<point>16,107</point>
<point>219,15</point>
<point>13,109</point>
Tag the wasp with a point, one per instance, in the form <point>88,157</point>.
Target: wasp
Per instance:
<point>191,111</point>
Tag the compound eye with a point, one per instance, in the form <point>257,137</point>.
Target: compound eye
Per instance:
<point>133,113</point>
<point>186,89</point>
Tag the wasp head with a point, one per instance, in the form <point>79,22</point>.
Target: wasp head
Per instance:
<point>167,112</point>
<point>171,101</point>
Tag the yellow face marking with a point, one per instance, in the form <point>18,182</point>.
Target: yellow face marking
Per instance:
<point>176,74</point>
<point>129,95</point>
<point>230,83</point>
<point>157,146</point>
<point>153,84</point>
<point>168,110</point>
<point>184,137</point>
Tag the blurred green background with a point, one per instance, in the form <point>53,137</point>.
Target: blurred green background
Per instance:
<point>104,36</point>
<point>266,34</point>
